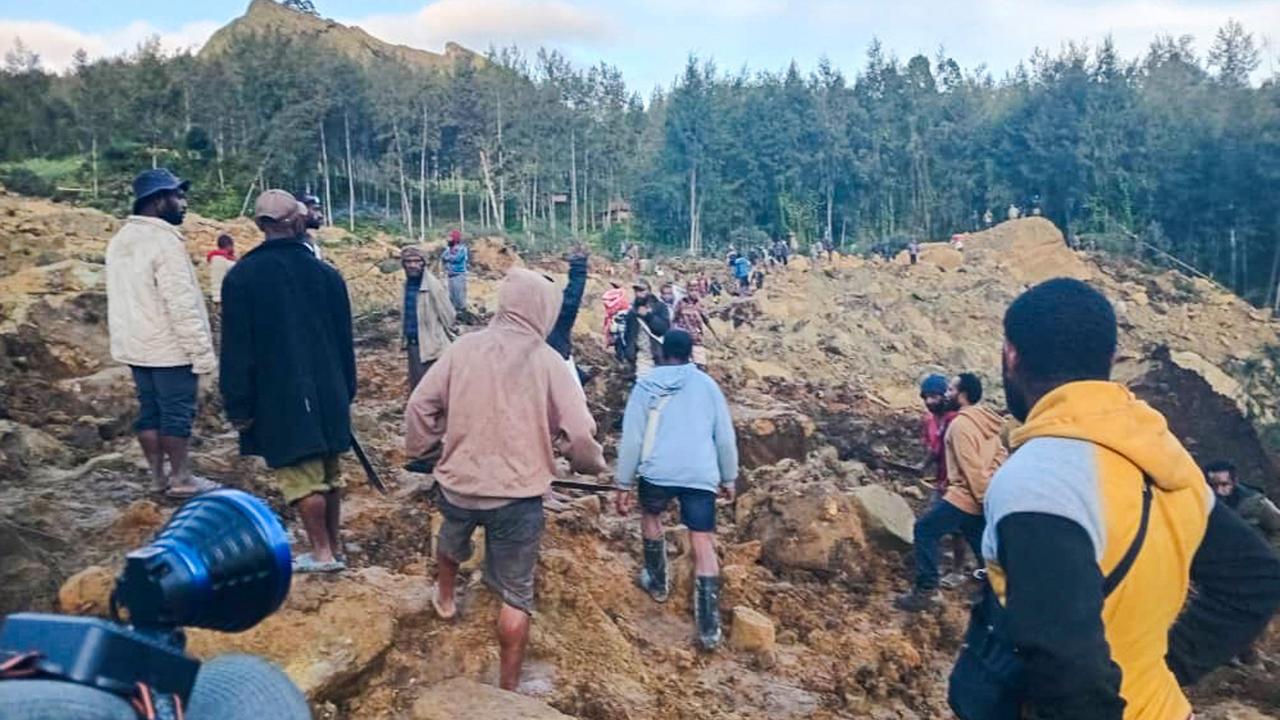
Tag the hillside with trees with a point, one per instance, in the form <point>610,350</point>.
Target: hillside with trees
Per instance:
<point>1176,152</point>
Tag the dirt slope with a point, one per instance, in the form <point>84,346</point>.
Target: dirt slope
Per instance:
<point>821,369</point>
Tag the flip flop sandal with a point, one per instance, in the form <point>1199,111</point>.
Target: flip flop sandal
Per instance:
<point>306,563</point>
<point>198,485</point>
<point>435,605</point>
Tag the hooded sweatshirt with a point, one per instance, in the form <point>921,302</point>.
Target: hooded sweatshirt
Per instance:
<point>973,453</point>
<point>503,403</point>
<point>1064,510</point>
<point>693,444</point>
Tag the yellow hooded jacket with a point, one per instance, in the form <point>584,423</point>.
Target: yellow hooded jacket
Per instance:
<point>1081,456</point>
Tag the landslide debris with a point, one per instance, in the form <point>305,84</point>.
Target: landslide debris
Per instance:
<point>821,370</point>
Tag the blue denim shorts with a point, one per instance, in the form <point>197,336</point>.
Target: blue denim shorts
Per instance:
<point>697,507</point>
<point>166,399</point>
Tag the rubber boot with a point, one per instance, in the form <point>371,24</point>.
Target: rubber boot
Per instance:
<point>653,578</point>
<point>706,611</point>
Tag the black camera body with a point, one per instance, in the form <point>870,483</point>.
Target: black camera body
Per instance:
<point>221,562</point>
<point>102,654</point>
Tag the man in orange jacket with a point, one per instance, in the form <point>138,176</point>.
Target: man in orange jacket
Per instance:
<point>973,453</point>
<point>1098,527</point>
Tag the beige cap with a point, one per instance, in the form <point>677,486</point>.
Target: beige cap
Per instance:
<point>278,205</point>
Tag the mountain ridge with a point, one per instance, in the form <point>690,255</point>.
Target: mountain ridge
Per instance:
<point>263,16</point>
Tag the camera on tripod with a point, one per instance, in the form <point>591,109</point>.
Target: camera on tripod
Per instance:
<point>222,562</point>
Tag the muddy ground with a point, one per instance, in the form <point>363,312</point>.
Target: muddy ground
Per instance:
<point>821,369</point>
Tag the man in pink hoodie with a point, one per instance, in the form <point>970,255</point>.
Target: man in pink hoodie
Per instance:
<point>502,402</point>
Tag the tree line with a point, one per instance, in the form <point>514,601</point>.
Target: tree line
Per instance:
<point>1172,154</point>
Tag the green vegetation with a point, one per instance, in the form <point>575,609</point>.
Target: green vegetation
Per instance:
<point>1175,151</point>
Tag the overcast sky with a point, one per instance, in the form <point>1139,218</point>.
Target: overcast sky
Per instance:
<point>650,39</point>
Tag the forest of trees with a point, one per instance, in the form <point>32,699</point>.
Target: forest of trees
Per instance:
<point>1177,151</point>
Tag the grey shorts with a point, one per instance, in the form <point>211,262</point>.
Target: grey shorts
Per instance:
<point>512,536</point>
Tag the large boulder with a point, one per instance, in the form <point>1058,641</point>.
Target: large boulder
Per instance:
<point>814,528</point>
<point>108,396</point>
<point>330,633</point>
<point>767,436</point>
<point>886,517</point>
<point>462,698</point>
<point>23,448</point>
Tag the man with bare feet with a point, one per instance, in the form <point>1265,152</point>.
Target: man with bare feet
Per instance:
<point>501,403</point>
<point>159,327</point>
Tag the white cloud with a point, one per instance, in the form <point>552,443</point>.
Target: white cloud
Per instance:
<point>481,23</point>
<point>729,10</point>
<point>56,43</point>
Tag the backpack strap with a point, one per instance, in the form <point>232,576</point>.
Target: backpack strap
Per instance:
<point>651,426</point>
<point>1118,573</point>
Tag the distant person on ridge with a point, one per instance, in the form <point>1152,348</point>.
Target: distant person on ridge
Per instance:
<point>502,404</point>
<point>701,283</point>
<point>742,273</point>
<point>678,444</point>
<point>913,250</point>
<point>974,451</point>
<point>289,371</point>
<point>428,318</point>
<point>781,251</point>
<point>457,263</point>
<point>220,261</point>
<point>988,219</point>
<point>1098,527</point>
<point>690,318</point>
<point>159,327</point>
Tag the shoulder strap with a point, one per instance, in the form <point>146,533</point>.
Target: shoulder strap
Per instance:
<point>1117,574</point>
<point>651,427</point>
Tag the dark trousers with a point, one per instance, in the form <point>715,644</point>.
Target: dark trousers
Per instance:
<point>941,520</point>
<point>166,399</point>
<point>416,367</point>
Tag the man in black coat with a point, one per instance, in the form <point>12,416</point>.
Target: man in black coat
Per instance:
<point>289,370</point>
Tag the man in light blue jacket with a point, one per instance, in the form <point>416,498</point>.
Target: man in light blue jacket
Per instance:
<point>678,440</point>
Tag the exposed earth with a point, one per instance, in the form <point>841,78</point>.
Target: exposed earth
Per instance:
<point>821,369</point>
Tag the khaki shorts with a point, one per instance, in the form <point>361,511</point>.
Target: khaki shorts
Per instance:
<point>317,475</point>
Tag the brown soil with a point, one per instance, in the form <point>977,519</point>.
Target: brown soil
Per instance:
<point>821,369</point>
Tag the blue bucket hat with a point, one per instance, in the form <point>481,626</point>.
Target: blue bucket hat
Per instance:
<point>933,385</point>
<point>150,182</point>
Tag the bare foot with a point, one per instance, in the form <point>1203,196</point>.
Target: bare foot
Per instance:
<point>446,608</point>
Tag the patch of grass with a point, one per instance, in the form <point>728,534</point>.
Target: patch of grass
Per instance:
<point>55,168</point>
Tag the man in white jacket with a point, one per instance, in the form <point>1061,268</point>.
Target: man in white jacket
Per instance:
<point>159,326</point>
